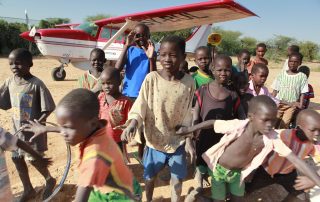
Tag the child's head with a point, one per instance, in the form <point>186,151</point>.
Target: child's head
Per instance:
<point>172,53</point>
<point>309,122</point>
<point>244,56</point>
<point>221,71</point>
<point>20,61</point>
<point>295,60</point>
<point>259,74</point>
<point>97,59</point>
<point>262,113</point>
<point>184,67</point>
<point>203,57</point>
<point>193,69</point>
<point>77,114</point>
<point>293,49</point>
<point>305,70</point>
<point>242,83</point>
<point>261,49</point>
<point>142,34</point>
<point>110,80</point>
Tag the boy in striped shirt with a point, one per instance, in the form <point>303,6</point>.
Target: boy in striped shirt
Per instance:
<point>277,169</point>
<point>91,79</point>
<point>290,86</point>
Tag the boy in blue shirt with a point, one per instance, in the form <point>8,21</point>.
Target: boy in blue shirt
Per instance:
<point>138,58</point>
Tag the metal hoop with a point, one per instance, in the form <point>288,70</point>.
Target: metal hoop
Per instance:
<point>66,170</point>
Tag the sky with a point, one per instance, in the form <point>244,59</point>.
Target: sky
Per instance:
<point>293,18</point>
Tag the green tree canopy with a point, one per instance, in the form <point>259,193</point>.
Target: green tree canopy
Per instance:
<point>309,50</point>
<point>230,43</point>
<point>100,16</point>
<point>278,46</point>
<point>248,43</point>
<point>9,36</point>
<point>51,22</point>
<point>184,33</point>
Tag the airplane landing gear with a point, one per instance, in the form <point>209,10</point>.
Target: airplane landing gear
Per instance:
<point>58,73</point>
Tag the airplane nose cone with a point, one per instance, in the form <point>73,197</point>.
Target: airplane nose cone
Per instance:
<point>26,36</point>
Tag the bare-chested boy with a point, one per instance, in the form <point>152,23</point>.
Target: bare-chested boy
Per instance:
<point>244,147</point>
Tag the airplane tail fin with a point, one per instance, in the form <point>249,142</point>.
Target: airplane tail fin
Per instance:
<point>199,37</point>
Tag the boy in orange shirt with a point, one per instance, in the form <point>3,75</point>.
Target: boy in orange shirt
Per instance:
<point>103,175</point>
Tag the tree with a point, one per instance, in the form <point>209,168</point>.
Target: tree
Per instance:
<point>249,43</point>
<point>51,22</point>
<point>100,16</point>
<point>230,43</point>
<point>9,36</point>
<point>309,50</point>
<point>184,33</point>
<point>277,47</point>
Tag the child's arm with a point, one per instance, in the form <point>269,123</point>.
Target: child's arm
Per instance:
<point>44,116</point>
<point>5,102</point>
<point>300,165</point>
<point>82,194</point>
<point>274,93</point>
<point>196,115</point>
<point>300,106</point>
<point>123,57</point>
<point>304,168</point>
<point>304,183</point>
<point>203,125</point>
<point>24,146</point>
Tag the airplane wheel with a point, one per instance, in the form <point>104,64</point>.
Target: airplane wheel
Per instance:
<point>57,75</point>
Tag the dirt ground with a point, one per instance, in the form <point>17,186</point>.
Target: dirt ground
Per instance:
<point>57,148</point>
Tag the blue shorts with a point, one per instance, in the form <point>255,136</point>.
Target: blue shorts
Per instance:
<point>154,161</point>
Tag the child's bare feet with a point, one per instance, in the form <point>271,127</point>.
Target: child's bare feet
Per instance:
<point>50,183</point>
<point>27,195</point>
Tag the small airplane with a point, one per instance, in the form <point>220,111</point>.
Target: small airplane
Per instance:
<point>72,43</point>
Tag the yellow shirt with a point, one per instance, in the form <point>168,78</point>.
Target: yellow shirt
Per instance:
<point>161,106</point>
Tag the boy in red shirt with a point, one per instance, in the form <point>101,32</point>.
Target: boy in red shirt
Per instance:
<point>114,107</point>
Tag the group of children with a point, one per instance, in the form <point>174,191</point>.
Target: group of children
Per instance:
<point>222,116</point>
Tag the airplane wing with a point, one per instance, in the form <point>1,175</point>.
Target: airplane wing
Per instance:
<point>185,16</point>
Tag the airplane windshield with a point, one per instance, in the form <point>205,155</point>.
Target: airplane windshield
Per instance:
<point>88,27</point>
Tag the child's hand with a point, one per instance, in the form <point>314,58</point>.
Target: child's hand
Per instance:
<point>295,104</point>
<point>190,150</point>
<point>129,132</point>
<point>303,183</point>
<point>130,38</point>
<point>116,115</point>
<point>150,50</point>
<point>34,127</point>
<point>182,130</point>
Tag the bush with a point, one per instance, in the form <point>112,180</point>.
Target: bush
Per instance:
<point>309,50</point>
<point>9,36</point>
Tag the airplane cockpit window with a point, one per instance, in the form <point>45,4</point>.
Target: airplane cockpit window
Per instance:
<point>107,33</point>
<point>88,27</point>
